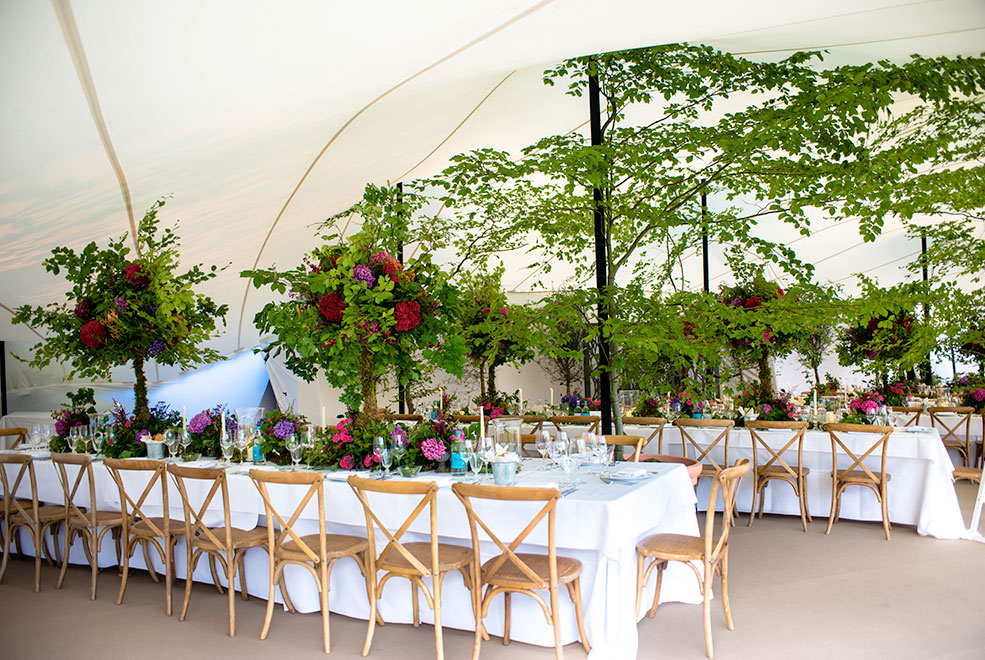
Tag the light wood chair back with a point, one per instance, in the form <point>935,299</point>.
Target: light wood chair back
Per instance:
<point>528,441</point>
<point>18,515</point>
<point>704,454</point>
<point>591,421</point>
<point>915,411</point>
<point>655,423</point>
<point>635,441</point>
<point>19,434</point>
<point>857,473</point>
<point>407,417</point>
<point>949,420</point>
<point>159,532</point>
<point>414,560</point>
<point>84,522</point>
<point>774,466</point>
<point>727,480</point>
<point>317,553</point>
<point>511,571</point>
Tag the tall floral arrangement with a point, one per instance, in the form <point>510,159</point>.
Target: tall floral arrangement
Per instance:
<point>354,311</point>
<point>132,431</point>
<point>126,307</point>
<point>750,310</point>
<point>884,344</point>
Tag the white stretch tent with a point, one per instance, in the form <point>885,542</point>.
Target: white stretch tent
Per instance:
<point>263,118</point>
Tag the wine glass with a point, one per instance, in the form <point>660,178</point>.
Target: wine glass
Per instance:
<point>295,445</point>
<point>543,443</point>
<point>475,463</point>
<point>185,439</point>
<point>242,440</point>
<point>383,453</point>
<point>74,436</point>
<point>399,448</point>
<point>172,442</point>
<point>98,438</point>
<point>228,446</point>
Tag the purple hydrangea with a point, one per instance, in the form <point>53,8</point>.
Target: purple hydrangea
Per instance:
<point>156,347</point>
<point>122,304</point>
<point>963,381</point>
<point>979,394</point>
<point>199,422</point>
<point>398,436</point>
<point>364,274</point>
<point>61,427</point>
<point>433,449</point>
<point>142,434</point>
<point>284,429</point>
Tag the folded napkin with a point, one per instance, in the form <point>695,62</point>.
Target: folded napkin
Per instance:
<point>343,475</point>
<point>629,472</point>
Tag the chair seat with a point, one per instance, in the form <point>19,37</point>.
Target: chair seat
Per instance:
<point>677,547</point>
<point>969,473</point>
<point>103,519</point>
<point>46,513</point>
<point>141,528</point>
<point>954,444</point>
<point>450,557</point>
<point>241,538</point>
<point>858,477</point>
<point>509,575</point>
<point>336,545</point>
<point>774,471</point>
<point>709,470</point>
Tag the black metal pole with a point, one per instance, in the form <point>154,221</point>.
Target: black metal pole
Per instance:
<point>704,237</point>
<point>401,392</point>
<point>928,378</point>
<point>601,270</point>
<point>3,379</point>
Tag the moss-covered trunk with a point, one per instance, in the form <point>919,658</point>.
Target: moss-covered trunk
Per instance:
<point>141,408</point>
<point>367,383</point>
<point>765,376</point>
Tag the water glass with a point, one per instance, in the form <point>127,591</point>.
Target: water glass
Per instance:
<point>228,446</point>
<point>383,454</point>
<point>172,441</point>
<point>476,461</point>
<point>543,442</point>
<point>185,439</point>
<point>569,467</point>
<point>294,445</point>
<point>74,437</point>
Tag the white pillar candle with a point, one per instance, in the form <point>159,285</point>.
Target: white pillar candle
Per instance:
<point>521,400</point>
<point>552,396</point>
<point>184,418</point>
<point>222,426</point>
<point>482,420</point>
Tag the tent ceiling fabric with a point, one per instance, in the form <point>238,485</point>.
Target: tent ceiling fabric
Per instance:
<point>264,118</point>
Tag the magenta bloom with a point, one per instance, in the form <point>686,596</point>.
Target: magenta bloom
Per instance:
<point>347,463</point>
<point>433,449</point>
<point>364,274</point>
<point>869,407</point>
<point>199,422</point>
<point>979,394</point>
<point>61,427</point>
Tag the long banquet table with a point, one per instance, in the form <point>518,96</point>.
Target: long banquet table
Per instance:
<point>921,490</point>
<point>597,523</point>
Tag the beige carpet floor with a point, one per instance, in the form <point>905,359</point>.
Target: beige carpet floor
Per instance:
<point>847,595</point>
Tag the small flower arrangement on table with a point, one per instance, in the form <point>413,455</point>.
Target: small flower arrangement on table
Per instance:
<point>648,406</point>
<point>765,406</point>
<point>974,398</point>
<point>131,432</point>
<point>894,394</point>
<point>275,429</point>
<point>864,404</point>
<point>78,412</point>
<point>685,404</point>
<point>204,429</point>
<point>430,443</point>
<point>349,444</point>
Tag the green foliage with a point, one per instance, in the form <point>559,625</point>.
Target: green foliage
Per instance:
<point>125,309</point>
<point>79,411</point>
<point>130,430</point>
<point>563,334</point>
<point>352,329</point>
<point>271,444</point>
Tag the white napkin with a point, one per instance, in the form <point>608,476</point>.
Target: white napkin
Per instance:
<point>343,475</point>
<point>629,472</point>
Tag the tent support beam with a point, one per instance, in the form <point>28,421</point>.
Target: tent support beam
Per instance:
<point>3,379</point>
<point>401,391</point>
<point>928,377</point>
<point>601,271</point>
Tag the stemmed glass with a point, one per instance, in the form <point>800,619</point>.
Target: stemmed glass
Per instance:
<point>228,446</point>
<point>558,448</point>
<point>399,448</point>
<point>74,437</point>
<point>295,445</point>
<point>383,453</point>
<point>172,442</point>
<point>242,440</point>
<point>185,439</point>
<point>98,439</point>
<point>543,443</point>
<point>476,461</point>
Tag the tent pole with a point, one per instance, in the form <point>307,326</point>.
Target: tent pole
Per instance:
<point>3,379</point>
<point>601,273</point>
<point>928,377</point>
<point>704,265</point>
<point>401,392</point>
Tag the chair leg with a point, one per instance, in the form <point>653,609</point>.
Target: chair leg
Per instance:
<point>215,574</point>
<point>283,592</point>
<point>574,590</point>
<point>885,510</point>
<point>371,626</point>
<point>230,579</point>
<point>190,562</point>
<point>244,594</point>
<point>275,574</point>
<point>61,574</point>
<point>506,617</point>
<point>168,575</point>
<point>755,492</point>
<point>706,608</point>
<point>436,598</point>
<point>150,566</point>
<point>324,607</point>
<point>725,601</point>
<point>7,540</point>
<point>656,593</point>
<point>556,624</point>
<point>127,549</point>
<point>38,544</point>
<point>91,537</point>
<point>414,597</point>
<point>834,503</point>
<point>640,560</point>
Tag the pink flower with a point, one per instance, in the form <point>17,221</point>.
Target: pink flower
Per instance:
<point>979,394</point>
<point>347,463</point>
<point>370,459</point>
<point>433,449</point>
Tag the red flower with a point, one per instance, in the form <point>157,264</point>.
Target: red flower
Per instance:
<point>408,315</point>
<point>135,275</point>
<point>92,334</point>
<point>347,463</point>
<point>83,311</point>
<point>390,267</point>
<point>331,306</point>
<point>753,302</point>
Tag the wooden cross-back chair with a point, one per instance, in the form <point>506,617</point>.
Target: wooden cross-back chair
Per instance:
<point>858,474</point>
<point>84,523</point>
<point>776,467</point>
<point>316,553</point>
<point>950,428</point>
<point>637,443</point>
<point>520,572</point>
<point>19,435</point>
<point>710,551</point>
<point>913,411</point>
<point>26,514</point>
<point>709,466</point>
<point>656,424</point>
<point>228,544</point>
<point>591,421</point>
<point>527,439</point>
<point>159,532</point>
<point>412,560</point>
<point>407,417</point>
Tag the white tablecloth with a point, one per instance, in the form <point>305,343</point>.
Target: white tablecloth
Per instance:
<point>974,430</point>
<point>598,524</point>
<point>921,491</point>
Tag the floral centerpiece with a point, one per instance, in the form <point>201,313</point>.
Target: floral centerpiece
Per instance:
<point>974,398</point>
<point>126,308</point>
<point>349,444</point>
<point>882,344</point>
<point>893,394</point>
<point>275,429</point>
<point>863,404</point>
<point>686,404</point>
<point>77,412</point>
<point>430,442</point>
<point>355,312</point>
<point>765,405</point>
<point>204,429</point>
<point>648,406</point>
<point>752,323</point>
<point>130,432</point>
<point>829,386</point>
